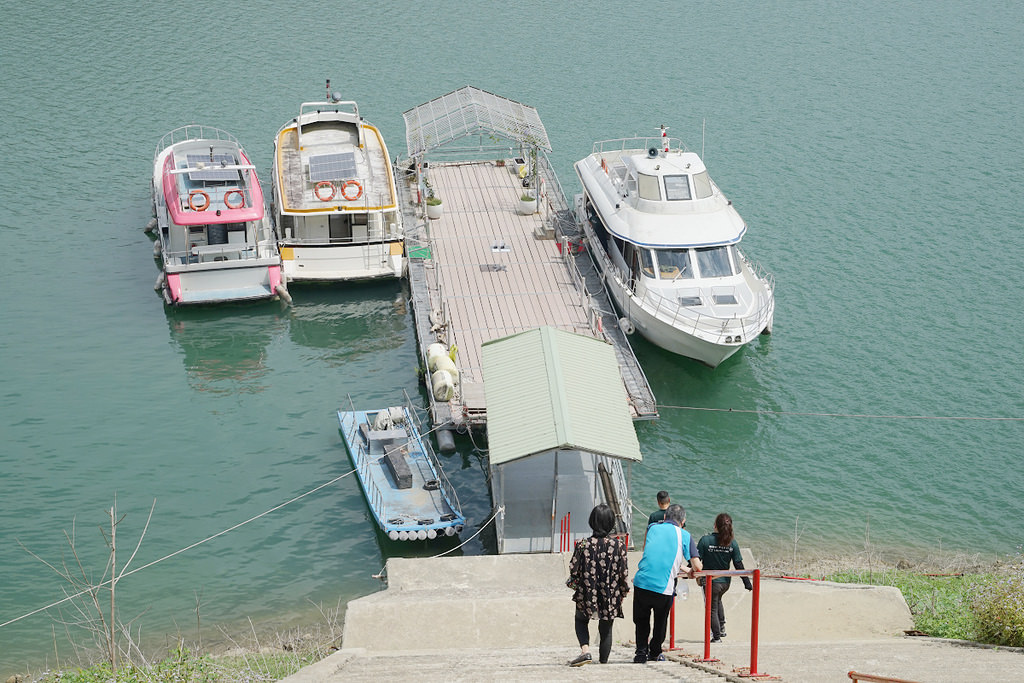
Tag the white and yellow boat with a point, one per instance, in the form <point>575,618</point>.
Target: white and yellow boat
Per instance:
<point>335,201</point>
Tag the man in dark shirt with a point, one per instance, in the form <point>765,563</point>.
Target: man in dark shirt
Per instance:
<point>663,502</point>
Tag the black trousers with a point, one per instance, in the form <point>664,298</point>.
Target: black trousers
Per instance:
<point>604,630</point>
<point>717,611</point>
<point>645,603</point>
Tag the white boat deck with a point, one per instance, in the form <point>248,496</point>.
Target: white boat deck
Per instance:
<point>489,274</point>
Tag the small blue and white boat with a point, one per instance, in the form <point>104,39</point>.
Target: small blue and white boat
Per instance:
<point>402,480</point>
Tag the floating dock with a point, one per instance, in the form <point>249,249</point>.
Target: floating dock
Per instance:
<point>484,270</point>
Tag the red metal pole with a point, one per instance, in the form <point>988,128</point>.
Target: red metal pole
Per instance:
<point>754,615</point>
<point>707,619</point>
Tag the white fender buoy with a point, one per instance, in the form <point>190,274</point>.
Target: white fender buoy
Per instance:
<point>150,225</point>
<point>159,282</point>
<point>443,385</point>
<point>445,363</point>
<point>449,531</point>
<point>157,249</point>
<point>282,292</point>
<point>393,535</point>
<point>626,325</point>
<point>435,351</point>
<point>431,534</point>
<point>403,535</point>
<point>421,534</point>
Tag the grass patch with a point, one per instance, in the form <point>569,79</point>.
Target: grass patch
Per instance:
<point>940,605</point>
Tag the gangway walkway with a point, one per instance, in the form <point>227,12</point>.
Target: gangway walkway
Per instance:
<point>484,271</point>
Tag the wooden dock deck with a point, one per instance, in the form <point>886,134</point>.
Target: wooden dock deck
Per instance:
<point>482,272</point>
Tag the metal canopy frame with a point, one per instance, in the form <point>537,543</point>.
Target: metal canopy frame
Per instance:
<point>468,111</point>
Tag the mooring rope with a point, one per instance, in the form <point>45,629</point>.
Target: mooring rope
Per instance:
<point>860,415</point>
<point>178,552</point>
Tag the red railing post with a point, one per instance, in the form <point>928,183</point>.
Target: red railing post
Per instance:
<point>755,610</point>
<point>707,619</point>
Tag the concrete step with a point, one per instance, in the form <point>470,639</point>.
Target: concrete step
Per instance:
<point>520,664</point>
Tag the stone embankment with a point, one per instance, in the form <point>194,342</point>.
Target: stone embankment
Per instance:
<point>511,618</point>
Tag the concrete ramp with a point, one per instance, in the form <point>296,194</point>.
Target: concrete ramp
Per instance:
<point>503,601</point>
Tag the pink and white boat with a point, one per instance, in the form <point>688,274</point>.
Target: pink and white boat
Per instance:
<point>214,235</point>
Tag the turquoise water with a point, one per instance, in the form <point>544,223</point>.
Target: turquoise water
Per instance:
<point>873,148</point>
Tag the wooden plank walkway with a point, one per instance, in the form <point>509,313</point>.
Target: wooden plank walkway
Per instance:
<point>490,275</point>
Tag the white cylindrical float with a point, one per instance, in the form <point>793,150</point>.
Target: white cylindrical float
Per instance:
<point>448,365</point>
<point>442,385</point>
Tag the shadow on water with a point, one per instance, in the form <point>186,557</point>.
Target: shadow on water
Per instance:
<point>224,348</point>
<point>349,320</point>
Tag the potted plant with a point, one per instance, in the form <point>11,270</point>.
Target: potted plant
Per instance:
<point>434,208</point>
<point>527,204</point>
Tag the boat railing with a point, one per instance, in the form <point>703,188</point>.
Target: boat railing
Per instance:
<point>363,464</point>
<point>682,317</point>
<point>446,486</point>
<point>558,216</point>
<point>211,253</point>
<point>706,326</point>
<point>193,131</point>
<point>635,143</point>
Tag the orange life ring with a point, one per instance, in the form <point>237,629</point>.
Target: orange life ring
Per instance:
<point>346,185</point>
<point>241,199</point>
<point>192,200</point>
<point>604,164</point>
<point>323,185</point>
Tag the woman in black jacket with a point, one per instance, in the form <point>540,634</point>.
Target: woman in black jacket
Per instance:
<point>717,551</point>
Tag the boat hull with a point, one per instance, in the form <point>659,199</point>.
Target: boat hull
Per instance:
<point>215,240</point>
<point>657,319</point>
<point>425,507</point>
<point>219,285</point>
<point>329,263</point>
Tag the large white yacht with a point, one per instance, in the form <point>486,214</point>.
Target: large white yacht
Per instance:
<point>666,240</point>
<point>214,237</point>
<point>335,201</point>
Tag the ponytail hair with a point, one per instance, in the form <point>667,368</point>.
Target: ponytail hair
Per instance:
<point>723,528</point>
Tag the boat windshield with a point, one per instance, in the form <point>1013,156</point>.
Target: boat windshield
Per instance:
<point>676,188</point>
<point>715,262</point>
<point>674,263</point>
<point>702,185</point>
<point>648,187</point>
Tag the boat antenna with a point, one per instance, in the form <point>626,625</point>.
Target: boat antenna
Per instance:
<point>664,137</point>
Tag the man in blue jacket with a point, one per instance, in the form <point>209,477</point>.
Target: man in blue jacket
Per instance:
<point>666,552</point>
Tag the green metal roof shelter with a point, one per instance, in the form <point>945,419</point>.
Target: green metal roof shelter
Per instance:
<point>559,428</point>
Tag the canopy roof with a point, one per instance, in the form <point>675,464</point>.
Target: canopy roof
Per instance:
<point>548,389</point>
<point>467,111</point>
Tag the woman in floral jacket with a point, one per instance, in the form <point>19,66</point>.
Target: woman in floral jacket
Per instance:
<point>598,573</point>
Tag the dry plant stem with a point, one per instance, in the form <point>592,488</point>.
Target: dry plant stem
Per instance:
<point>84,597</point>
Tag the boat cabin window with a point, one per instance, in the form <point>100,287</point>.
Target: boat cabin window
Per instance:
<point>646,261</point>
<point>648,187</point>
<point>702,185</point>
<point>676,188</point>
<point>674,264</point>
<point>714,262</point>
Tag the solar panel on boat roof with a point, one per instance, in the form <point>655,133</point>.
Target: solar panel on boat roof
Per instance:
<point>211,170</point>
<point>340,166</point>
